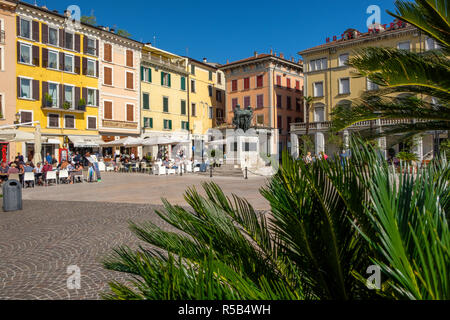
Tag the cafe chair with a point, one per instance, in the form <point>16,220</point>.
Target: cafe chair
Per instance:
<point>63,176</point>
<point>29,177</point>
<point>50,176</point>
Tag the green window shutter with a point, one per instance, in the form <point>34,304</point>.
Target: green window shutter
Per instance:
<point>183,83</point>
<point>151,122</point>
<point>170,124</point>
<point>162,78</point>
<point>183,107</point>
<point>187,125</point>
<point>149,75</point>
<point>165,104</point>
<point>169,80</point>
<point>145,122</point>
<point>142,73</point>
<point>146,99</point>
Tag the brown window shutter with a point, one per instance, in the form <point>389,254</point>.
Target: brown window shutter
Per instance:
<point>129,58</point>
<point>97,95</point>
<point>96,68</point>
<point>85,44</point>
<point>18,52</point>
<point>97,48</point>
<point>61,61</point>
<point>84,67</point>
<point>44,33</point>
<point>77,42</point>
<point>18,87</point>
<point>36,31</point>
<point>36,59</point>
<point>130,81</point>
<point>77,97</point>
<point>84,93</point>
<point>77,65</point>
<point>36,90</point>
<point>107,52</point>
<point>130,113</point>
<point>108,110</point>
<point>108,76</point>
<point>61,95</point>
<point>18,25</point>
<point>61,38</point>
<point>44,91</point>
<point>44,58</point>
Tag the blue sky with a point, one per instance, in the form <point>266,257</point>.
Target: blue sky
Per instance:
<point>231,29</point>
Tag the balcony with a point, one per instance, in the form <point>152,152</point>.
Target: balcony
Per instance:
<point>2,37</point>
<point>119,124</point>
<point>77,109</point>
<point>162,62</point>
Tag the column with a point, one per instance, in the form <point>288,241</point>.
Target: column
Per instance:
<point>418,147</point>
<point>346,140</point>
<point>319,139</point>
<point>382,146</point>
<point>294,146</point>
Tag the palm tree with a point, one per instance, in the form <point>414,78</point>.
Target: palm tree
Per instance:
<point>327,224</point>
<point>308,101</point>
<point>408,80</point>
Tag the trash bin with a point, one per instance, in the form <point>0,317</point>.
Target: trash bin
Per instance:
<point>12,196</point>
<point>203,167</point>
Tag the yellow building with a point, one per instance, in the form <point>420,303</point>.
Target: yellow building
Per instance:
<point>57,80</point>
<point>330,82</point>
<point>206,100</point>
<point>164,97</point>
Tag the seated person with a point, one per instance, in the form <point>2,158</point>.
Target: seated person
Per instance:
<point>47,167</point>
<point>4,171</point>
<point>75,171</point>
<point>38,173</point>
<point>28,168</point>
<point>13,169</point>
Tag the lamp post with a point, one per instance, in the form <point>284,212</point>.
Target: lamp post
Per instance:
<point>17,117</point>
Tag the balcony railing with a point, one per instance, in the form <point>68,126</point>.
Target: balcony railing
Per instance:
<point>50,107</point>
<point>2,37</point>
<point>317,126</point>
<point>164,62</point>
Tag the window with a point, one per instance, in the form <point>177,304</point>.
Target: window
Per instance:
<point>53,121</point>
<point>297,85</point>
<point>148,123</point>
<point>371,86</point>
<point>344,86</point>
<point>289,121</point>
<point>26,117</point>
<point>234,103</point>
<point>91,97</point>
<point>107,54</point>
<point>165,104</point>
<point>246,83</point>
<point>184,125</point>
<point>91,66</point>
<point>25,53</point>
<point>69,122</point>
<point>53,60</point>
<point>183,83</point>
<point>53,38</point>
<point>210,90</point>
<point>165,79</point>
<point>53,89</point>
<point>146,74</point>
<point>234,85</point>
<point>1,107</point>
<point>68,63</point>
<point>68,40</point>
<point>192,69</point>
<point>92,123</point>
<point>25,88</point>
<point>288,83</point>
<point>431,44</point>
<point>107,112</point>
<point>183,107</point>
<point>68,96</point>
<point>289,103</point>
<point>298,104</point>
<point>1,58</point>
<point>146,101</point>
<point>343,58</point>
<point>210,76</point>
<point>406,45</point>
<point>91,46</point>
<point>210,112</point>
<point>193,86</point>
<point>107,78</point>
<point>280,124</point>
<point>194,110</point>
<point>219,78</point>
<point>260,101</point>
<point>279,81</point>
<point>318,89</point>
<point>260,119</point>
<point>319,114</point>
<point>259,81</point>
<point>167,124</point>
<point>318,64</point>
<point>247,102</point>
<point>25,28</point>
<point>129,58</point>
<point>219,96</point>
<point>279,101</point>
<point>130,80</point>
<point>130,113</point>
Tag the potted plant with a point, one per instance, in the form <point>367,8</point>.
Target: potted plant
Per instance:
<point>48,100</point>
<point>66,105</point>
<point>82,104</point>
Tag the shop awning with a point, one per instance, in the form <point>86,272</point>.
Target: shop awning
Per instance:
<point>53,141</point>
<point>85,142</point>
<point>125,142</point>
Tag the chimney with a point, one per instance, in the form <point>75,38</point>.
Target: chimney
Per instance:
<point>112,30</point>
<point>228,61</point>
<point>255,54</point>
<point>281,55</point>
<point>300,61</point>
<point>205,60</point>
<point>292,59</point>
<point>67,13</point>
<point>271,52</point>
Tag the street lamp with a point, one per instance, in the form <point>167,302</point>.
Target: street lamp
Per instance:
<point>17,116</point>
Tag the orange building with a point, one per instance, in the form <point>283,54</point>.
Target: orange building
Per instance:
<point>273,87</point>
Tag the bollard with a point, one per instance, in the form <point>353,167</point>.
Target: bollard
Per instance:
<point>210,171</point>
<point>181,169</point>
<point>246,173</point>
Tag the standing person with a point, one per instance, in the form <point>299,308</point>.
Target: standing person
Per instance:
<point>133,157</point>
<point>54,161</point>
<point>77,158</point>
<point>94,162</point>
<point>308,158</point>
<point>20,157</point>
<point>48,158</point>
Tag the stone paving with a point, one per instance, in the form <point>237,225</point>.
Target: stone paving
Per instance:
<point>40,242</point>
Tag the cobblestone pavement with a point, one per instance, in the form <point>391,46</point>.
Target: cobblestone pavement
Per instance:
<point>40,242</point>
